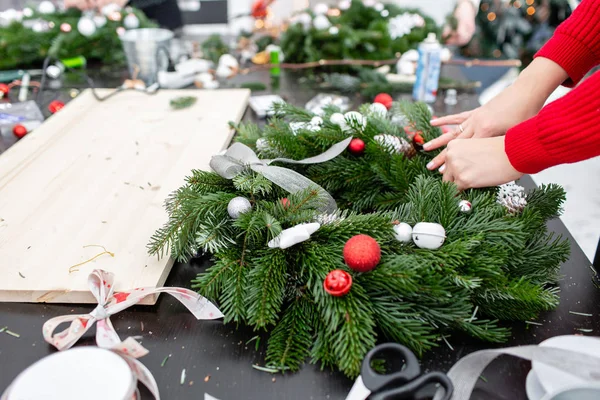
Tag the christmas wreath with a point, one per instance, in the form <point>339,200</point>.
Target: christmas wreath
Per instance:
<point>27,37</point>
<point>405,257</point>
<point>354,30</point>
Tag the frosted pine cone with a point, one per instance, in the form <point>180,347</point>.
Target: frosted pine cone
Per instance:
<point>396,145</point>
<point>512,196</point>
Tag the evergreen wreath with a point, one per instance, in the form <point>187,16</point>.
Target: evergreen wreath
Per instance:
<point>498,262</point>
<point>21,46</point>
<point>360,32</point>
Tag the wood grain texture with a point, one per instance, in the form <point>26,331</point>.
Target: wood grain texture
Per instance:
<point>97,173</point>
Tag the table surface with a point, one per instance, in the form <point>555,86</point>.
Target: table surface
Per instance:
<point>218,358</point>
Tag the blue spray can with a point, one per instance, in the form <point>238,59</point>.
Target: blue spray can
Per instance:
<point>428,70</point>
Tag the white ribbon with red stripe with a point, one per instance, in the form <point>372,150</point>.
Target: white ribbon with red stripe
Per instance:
<point>109,303</point>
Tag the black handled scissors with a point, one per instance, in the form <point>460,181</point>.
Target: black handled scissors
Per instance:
<point>402,384</point>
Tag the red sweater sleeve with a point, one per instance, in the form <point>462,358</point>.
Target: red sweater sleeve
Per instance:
<point>575,45</point>
<point>565,131</point>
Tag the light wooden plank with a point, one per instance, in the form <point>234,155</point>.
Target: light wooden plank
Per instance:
<point>98,173</point>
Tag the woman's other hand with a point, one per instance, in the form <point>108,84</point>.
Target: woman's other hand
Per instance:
<point>478,163</point>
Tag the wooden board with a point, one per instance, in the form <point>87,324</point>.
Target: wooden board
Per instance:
<point>97,173</point>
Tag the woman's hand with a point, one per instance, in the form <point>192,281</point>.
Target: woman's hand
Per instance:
<point>465,15</point>
<point>478,163</point>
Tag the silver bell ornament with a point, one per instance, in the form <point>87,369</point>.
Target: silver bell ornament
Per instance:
<point>238,206</point>
<point>403,232</point>
<point>428,235</point>
<point>465,206</point>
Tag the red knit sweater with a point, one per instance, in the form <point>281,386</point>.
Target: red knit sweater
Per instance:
<point>566,130</point>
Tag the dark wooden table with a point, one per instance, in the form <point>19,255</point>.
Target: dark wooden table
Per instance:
<point>218,358</point>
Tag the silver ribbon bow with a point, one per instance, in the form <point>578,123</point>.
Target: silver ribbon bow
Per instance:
<point>239,157</point>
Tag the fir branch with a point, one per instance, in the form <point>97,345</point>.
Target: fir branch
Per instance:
<point>291,340</point>
<point>266,288</point>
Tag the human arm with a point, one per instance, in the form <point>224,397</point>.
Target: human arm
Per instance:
<point>565,131</point>
<point>465,13</point>
<point>568,55</point>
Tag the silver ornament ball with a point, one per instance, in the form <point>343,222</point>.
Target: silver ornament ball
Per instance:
<point>86,26</point>
<point>403,232</point>
<point>238,206</point>
<point>428,235</point>
<point>464,206</point>
<point>131,21</point>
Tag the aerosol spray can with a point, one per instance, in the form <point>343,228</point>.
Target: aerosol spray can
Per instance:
<point>428,70</point>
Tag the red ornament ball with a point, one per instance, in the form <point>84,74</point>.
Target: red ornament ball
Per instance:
<point>337,283</point>
<point>19,131</point>
<point>55,106</point>
<point>362,253</point>
<point>356,147</point>
<point>385,99</point>
<point>259,9</point>
<point>4,89</point>
<point>285,202</point>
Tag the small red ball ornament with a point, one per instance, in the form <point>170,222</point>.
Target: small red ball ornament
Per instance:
<point>385,99</point>
<point>55,106</point>
<point>4,89</point>
<point>337,283</point>
<point>356,147</point>
<point>362,253</point>
<point>19,131</point>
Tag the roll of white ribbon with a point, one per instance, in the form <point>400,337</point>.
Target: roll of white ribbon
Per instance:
<point>74,375</point>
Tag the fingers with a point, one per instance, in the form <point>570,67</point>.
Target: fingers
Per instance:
<point>452,119</point>
<point>438,161</point>
<point>441,140</point>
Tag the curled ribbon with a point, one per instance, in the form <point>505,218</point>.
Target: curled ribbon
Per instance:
<point>239,157</point>
<point>109,303</point>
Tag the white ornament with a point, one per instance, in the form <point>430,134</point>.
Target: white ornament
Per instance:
<point>344,5</point>
<point>334,30</point>
<point>338,119</point>
<point>316,121</point>
<point>27,12</point>
<point>379,7</point>
<point>228,60</point>
<point>321,22</point>
<point>86,26</point>
<point>464,206</point>
<point>238,206</point>
<point>99,20</point>
<point>355,119</point>
<point>403,232</point>
<point>321,8</point>
<point>394,144</point>
<point>292,236</point>
<point>303,19</point>
<point>131,21</point>
<point>223,72</point>
<point>385,13</point>
<point>39,27</point>
<point>110,9</point>
<point>326,219</point>
<point>428,235</point>
<point>369,3</point>
<point>378,110</point>
<point>46,7</point>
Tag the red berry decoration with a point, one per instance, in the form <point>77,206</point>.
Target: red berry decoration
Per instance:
<point>285,202</point>
<point>19,131</point>
<point>55,106</point>
<point>4,89</point>
<point>419,139</point>
<point>356,147</point>
<point>385,99</point>
<point>337,283</point>
<point>362,253</point>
